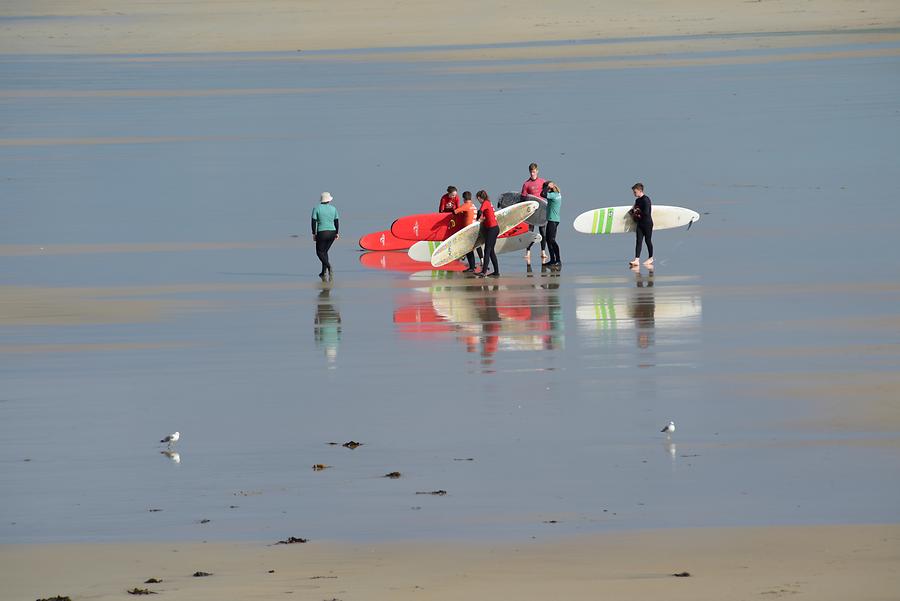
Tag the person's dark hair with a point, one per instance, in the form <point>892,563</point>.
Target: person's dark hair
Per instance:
<point>467,195</point>
<point>482,195</point>
<point>549,183</point>
<point>451,189</point>
<point>638,186</point>
<point>544,188</point>
<point>532,166</point>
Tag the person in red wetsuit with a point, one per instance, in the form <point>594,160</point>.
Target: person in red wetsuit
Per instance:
<point>534,186</point>
<point>449,201</point>
<point>491,230</point>
<point>468,210</point>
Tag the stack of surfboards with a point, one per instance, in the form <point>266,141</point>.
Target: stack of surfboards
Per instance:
<point>422,235</point>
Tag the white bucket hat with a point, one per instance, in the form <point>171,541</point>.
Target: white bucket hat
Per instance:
<point>326,197</point>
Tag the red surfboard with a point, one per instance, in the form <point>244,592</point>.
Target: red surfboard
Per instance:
<point>427,226</point>
<point>400,261</point>
<point>384,240</point>
<point>437,226</point>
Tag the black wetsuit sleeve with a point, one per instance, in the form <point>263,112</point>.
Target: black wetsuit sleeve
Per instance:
<point>337,226</point>
<point>313,220</point>
<point>643,203</point>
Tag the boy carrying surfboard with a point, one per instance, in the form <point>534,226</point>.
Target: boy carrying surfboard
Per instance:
<point>643,221</point>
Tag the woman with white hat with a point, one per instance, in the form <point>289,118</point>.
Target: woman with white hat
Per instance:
<point>325,227</point>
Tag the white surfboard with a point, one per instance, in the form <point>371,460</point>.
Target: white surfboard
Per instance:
<point>424,249</point>
<point>616,220</point>
<point>508,199</point>
<point>469,237</point>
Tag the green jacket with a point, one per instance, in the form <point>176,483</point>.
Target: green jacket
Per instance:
<point>554,200</point>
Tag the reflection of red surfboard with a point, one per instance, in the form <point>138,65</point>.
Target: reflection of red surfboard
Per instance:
<point>400,261</point>
<point>383,241</point>
<point>422,319</point>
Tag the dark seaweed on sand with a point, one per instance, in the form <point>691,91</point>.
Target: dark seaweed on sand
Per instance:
<point>202,574</point>
<point>141,591</point>
<point>292,540</point>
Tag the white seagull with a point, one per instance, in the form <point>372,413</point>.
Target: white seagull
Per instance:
<point>171,439</point>
<point>668,429</point>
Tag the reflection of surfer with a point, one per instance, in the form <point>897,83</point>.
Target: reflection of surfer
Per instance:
<point>491,230</point>
<point>534,186</point>
<point>489,317</point>
<point>643,309</point>
<point>468,210</point>
<point>325,228</point>
<point>640,212</point>
<point>327,328</point>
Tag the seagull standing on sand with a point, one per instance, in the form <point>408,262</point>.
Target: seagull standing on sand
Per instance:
<point>171,439</point>
<point>668,429</point>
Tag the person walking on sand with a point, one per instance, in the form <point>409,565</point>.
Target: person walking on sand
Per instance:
<point>450,201</point>
<point>534,186</point>
<point>643,220</point>
<point>325,228</point>
<point>554,201</point>
<point>491,230</point>
<point>467,210</point>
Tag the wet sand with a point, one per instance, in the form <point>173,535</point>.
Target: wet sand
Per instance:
<point>152,286</point>
<point>101,26</point>
<point>820,562</point>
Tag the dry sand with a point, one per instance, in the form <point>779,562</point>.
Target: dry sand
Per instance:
<point>820,562</point>
<point>143,26</point>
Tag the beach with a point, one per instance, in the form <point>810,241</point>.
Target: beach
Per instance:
<point>160,162</point>
<point>822,562</point>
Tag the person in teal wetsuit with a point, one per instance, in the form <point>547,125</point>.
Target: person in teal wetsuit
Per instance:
<point>325,230</point>
<point>554,201</point>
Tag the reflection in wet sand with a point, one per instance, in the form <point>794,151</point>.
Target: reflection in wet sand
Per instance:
<point>644,307</point>
<point>488,318</point>
<point>327,328</point>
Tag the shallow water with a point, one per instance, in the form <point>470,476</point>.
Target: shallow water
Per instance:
<point>534,398</point>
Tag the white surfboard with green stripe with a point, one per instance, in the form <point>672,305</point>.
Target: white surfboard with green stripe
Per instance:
<point>616,220</point>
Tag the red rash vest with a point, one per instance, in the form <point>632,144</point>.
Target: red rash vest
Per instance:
<point>448,204</point>
<point>487,211</point>
<point>533,186</point>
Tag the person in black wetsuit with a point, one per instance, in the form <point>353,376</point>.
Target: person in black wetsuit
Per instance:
<point>644,222</point>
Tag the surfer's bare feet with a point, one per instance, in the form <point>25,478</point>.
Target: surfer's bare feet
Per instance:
<point>544,257</point>
<point>649,262</point>
<point>635,263</point>
<point>528,256</point>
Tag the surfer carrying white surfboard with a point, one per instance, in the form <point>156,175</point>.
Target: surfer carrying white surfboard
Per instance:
<point>534,186</point>
<point>491,231</point>
<point>468,210</point>
<point>643,221</point>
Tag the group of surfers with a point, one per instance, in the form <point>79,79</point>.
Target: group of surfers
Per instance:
<point>326,224</point>
<point>533,186</point>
